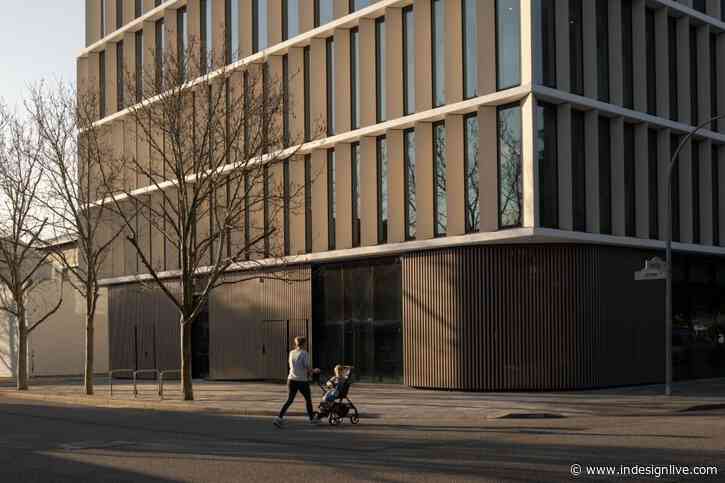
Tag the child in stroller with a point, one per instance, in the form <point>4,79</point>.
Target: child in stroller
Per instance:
<point>335,404</point>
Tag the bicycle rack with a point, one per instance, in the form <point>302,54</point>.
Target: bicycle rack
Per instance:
<point>110,377</point>
<point>143,371</point>
<point>161,380</point>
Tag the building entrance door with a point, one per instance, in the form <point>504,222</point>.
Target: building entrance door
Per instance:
<point>358,319</point>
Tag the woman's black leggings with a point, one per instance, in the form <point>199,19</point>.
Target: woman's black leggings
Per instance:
<point>293,387</point>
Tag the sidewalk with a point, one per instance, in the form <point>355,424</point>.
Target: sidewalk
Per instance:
<point>388,401</point>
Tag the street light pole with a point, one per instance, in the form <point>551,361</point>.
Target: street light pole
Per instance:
<point>668,278</point>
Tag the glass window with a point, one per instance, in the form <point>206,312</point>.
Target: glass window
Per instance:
<point>672,47</point>
<point>103,18</point>
<point>439,53</point>
<point>409,60</point>
<point>627,55</point>
<point>157,3</point>
<point>714,108</point>
<point>354,79</point>
<point>138,8</point>
<point>578,171</point>
<point>440,200</point>
<point>182,39</point>
<point>548,165</point>
<point>576,50</point>
<point>510,178</point>
<point>651,62</point>
<point>630,209</point>
<point>603,49</point>
<point>324,12</point>
<point>409,174</point>
<point>674,142</point>
<point>206,34</point>
<point>605,176</point>
<point>548,43</point>
<point>715,180</point>
<point>139,63</point>
<point>102,83</point>
<point>653,184</point>
<point>380,69</point>
<point>306,80</point>
<point>699,5</point>
<point>355,159</point>
<point>120,81</point>
<point>285,101</point>
<point>259,26</point>
<point>331,206</point>
<point>330,78</point>
<point>160,52</point>
<point>470,48</point>
<point>695,162</point>
<point>358,4</point>
<point>231,22</point>
<point>508,43</point>
<point>286,207</point>
<point>694,79</point>
<point>119,14</point>
<point>291,18</point>
<point>471,139</point>
<point>382,185</point>
<point>308,204</point>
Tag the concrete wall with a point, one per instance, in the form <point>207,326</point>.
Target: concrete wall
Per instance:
<point>57,347</point>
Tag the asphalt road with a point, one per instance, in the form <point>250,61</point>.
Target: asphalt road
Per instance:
<point>41,442</point>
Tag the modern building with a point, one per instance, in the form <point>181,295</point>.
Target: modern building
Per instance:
<point>494,172</point>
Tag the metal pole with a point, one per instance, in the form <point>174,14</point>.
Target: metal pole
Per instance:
<point>668,244</point>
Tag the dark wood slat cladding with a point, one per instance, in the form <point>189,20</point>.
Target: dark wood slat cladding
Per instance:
<point>240,324</point>
<point>530,318</point>
<point>143,328</point>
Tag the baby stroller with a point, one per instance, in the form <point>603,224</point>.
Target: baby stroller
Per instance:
<point>342,407</point>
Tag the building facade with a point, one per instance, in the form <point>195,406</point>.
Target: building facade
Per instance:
<point>492,175</point>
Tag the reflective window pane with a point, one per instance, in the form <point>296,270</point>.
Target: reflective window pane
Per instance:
<point>470,48</point>
<point>510,186</point>
<point>409,173</point>
<point>380,69</point>
<point>508,30</point>
<point>382,184</point>
<point>439,53</point>
<point>324,12</point>
<point>291,15</point>
<point>354,78</point>
<point>408,60</point>
<point>440,198</point>
<point>471,138</point>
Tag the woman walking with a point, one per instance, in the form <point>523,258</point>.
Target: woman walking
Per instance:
<point>298,380</point>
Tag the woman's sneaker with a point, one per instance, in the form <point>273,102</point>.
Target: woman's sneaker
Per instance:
<point>314,421</point>
<point>277,421</point>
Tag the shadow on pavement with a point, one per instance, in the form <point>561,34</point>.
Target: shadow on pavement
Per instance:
<point>453,452</point>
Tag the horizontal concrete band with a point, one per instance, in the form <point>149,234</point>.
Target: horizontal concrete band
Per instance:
<point>513,236</point>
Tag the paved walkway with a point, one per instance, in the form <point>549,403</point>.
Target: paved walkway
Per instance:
<point>390,401</point>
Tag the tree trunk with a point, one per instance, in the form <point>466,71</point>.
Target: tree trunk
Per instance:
<point>186,360</point>
<point>88,370</point>
<point>22,369</point>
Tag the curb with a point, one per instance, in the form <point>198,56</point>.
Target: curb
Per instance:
<point>703,407</point>
<point>180,406</point>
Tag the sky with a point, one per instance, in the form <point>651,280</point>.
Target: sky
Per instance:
<point>39,39</point>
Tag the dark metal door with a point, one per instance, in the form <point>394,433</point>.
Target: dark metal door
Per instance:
<point>273,343</point>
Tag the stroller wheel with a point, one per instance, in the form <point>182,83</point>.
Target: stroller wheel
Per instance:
<point>354,419</point>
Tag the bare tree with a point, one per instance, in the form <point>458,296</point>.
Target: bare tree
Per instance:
<point>205,188</point>
<point>25,268</point>
<point>59,116</point>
